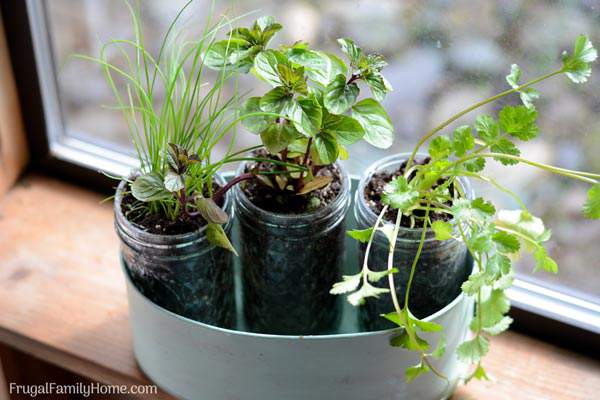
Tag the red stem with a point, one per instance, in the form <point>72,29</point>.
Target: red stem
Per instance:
<point>221,192</point>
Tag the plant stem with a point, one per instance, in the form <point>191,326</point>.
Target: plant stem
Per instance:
<point>221,192</point>
<point>300,182</point>
<point>391,262</point>
<point>365,266</point>
<point>417,256</point>
<point>473,107</point>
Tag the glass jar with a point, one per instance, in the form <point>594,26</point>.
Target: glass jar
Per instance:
<point>442,267</point>
<point>289,264</point>
<point>182,273</point>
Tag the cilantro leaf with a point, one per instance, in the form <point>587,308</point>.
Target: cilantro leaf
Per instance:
<point>440,147</point>
<point>506,242</point>
<point>591,209</point>
<point>367,290</point>
<point>519,121</point>
<point>440,349</point>
<point>528,95</point>
<point>462,140</point>
<point>349,283</point>
<point>487,128</point>
<point>415,371</point>
<point>399,194</point>
<point>442,230</point>
<point>362,235</point>
<point>473,350</point>
<point>577,65</point>
<point>499,327</point>
<point>544,261</point>
<point>505,146</point>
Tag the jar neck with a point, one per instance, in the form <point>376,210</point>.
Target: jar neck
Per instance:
<point>366,217</point>
<point>324,218</point>
<point>132,235</point>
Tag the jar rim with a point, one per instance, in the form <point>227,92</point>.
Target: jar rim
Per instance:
<point>133,232</point>
<point>338,203</point>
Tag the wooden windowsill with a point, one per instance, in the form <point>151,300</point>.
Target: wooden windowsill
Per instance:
<point>62,299</point>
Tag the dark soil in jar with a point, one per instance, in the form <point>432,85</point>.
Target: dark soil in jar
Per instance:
<point>285,201</point>
<point>374,189</point>
<point>137,213</point>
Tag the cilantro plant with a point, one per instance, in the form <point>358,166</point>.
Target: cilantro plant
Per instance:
<point>493,237</point>
<point>312,111</point>
<point>176,118</point>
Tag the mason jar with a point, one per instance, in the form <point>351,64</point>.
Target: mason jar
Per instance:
<point>289,264</point>
<point>182,273</point>
<point>441,268</point>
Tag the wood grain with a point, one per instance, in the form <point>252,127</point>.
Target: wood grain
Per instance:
<point>62,299</point>
<point>13,146</point>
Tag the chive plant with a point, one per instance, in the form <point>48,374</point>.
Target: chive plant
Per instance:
<point>176,115</point>
<point>494,238</point>
<point>312,111</point>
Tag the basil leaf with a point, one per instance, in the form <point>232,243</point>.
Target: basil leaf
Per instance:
<point>265,64</point>
<point>327,148</point>
<point>149,187</point>
<point>377,125</point>
<point>353,52</point>
<point>174,182</point>
<point>254,123</point>
<point>320,67</point>
<point>278,136</point>
<point>339,96</point>
<point>347,129</point>
<point>217,236</point>
<point>378,84</point>
<point>307,115</point>
<point>275,100</point>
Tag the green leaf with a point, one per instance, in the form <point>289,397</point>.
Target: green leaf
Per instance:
<point>399,194</point>
<point>473,350</point>
<point>255,123</point>
<point>320,67</point>
<point>353,52</point>
<point>426,326</point>
<point>348,284</point>
<point>339,96</point>
<point>275,101</point>
<point>591,208</point>
<point>480,373</point>
<point>234,54</point>
<point>378,84</point>
<point>376,276</point>
<point>483,206</point>
<point>492,310</point>
<point>293,79</point>
<point>415,371</point>
<point>528,95</point>
<point>475,282</point>
<point>524,223</point>
<point>278,136</point>
<point>307,116</point>
<point>149,187</point>
<point>499,327</point>
<point>544,261</point>
<point>475,164</point>
<point>327,148</point>
<point>505,146</point>
<point>442,230</point>
<point>462,140</point>
<point>367,290</point>
<point>210,211</point>
<point>362,235</point>
<point>519,121</point>
<point>217,237</point>
<point>174,182</point>
<point>377,125</point>
<point>440,147</point>
<point>487,128</point>
<point>477,210</point>
<point>578,64</point>
<point>403,340</point>
<point>346,129</point>
<point>265,64</point>
<point>440,349</point>
<point>506,242</point>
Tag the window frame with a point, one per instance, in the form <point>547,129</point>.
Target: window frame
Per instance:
<point>535,306</point>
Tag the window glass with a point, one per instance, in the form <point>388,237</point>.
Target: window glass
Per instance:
<point>443,55</point>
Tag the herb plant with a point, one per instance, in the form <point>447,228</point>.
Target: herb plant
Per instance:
<point>494,238</point>
<point>176,117</point>
<point>312,111</point>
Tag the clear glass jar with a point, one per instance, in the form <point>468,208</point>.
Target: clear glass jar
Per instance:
<point>442,267</point>
<point>289,264</point>
<point>182,273</point>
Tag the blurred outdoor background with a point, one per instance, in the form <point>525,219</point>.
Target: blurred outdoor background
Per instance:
<point>443,55</point>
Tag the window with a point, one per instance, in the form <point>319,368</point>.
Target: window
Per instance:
<point>442,56</point>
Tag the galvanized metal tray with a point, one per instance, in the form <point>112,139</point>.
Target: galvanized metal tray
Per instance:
<point>192,360</point>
